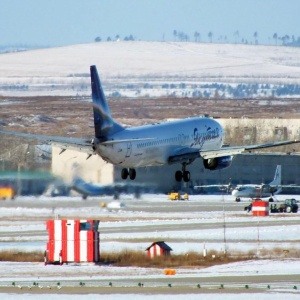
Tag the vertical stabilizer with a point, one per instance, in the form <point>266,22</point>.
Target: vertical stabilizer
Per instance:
<point>103,121</point>
<point>277,177</point>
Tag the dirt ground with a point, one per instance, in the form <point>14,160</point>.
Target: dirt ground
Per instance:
<point>73,116</point>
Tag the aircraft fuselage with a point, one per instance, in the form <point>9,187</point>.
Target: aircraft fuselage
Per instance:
<point>252,191</point>
<point>160,141</point>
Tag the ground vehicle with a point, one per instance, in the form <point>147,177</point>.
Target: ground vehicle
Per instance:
<point>178,196</point>
<point>289,205</point>
<point>6,192</point>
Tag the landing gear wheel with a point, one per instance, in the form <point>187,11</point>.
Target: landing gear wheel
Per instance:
<point>178,176</point>
<point>124,173</point>
<point>237,199</point>
<point>132,174</point>
<point>186,176</point>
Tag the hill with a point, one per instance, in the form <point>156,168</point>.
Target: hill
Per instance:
<point>139,69</point>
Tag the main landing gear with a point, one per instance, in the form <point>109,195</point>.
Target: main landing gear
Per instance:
<point>128,172</point>
<point>185,175</point>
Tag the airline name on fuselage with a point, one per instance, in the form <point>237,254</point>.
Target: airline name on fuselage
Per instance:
<point>201,138</point>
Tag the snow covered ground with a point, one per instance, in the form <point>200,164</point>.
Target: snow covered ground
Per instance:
<point>142,68</point>
<point>184,225</point>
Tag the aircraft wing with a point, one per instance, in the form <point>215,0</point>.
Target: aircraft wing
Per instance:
<point>79,144</point>
<point>220,186</point>
<point>190,154</point>
<point>239,149</point>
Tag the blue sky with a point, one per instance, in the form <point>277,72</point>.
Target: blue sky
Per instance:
<point>64,22</point>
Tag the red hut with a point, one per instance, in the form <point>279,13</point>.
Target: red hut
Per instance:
<point>158,249</point>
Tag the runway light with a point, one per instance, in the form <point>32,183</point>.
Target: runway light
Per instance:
<point>169,285</point>
<point>198,286</point>
<point>13,283</point>
<point>110,284</point>
<point>269,286</point>
<point>295,287</point>
<point>246,286</point>
<point>222,286</point>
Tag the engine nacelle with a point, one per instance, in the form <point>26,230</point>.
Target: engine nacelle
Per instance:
<point>217,163</point>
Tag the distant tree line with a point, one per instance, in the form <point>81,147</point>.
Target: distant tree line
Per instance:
<point>115,38</point>
<point>218,90</point>
<point>181,36</point>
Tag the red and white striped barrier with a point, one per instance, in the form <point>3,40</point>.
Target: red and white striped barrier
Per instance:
<point>72,241</point>
<point>260,208</point>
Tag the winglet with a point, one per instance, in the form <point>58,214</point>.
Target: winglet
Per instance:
<point>103,121</point>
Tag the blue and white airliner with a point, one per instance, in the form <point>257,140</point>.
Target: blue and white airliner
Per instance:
<point>181,141</point>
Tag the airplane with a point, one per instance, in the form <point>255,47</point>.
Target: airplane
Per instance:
<point>253,190</point>
<point>259,190</point>
<point>89,189</point>
<point>174,142</point>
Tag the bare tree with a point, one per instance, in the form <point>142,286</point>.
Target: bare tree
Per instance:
<point>255,35</point>
<point>175,34</point>
<point>236,35</point>
<point>210,36</point>
<point>197,36</point>
<point>275,37</point>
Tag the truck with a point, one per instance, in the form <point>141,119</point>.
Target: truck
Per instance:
<point>6,193</point>
<point>178,196</point>
<point>289,206</point>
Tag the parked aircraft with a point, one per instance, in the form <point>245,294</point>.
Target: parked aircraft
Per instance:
<point>259,190</point>
<point>181,141</point>
<point>253,190</point>
<point>90,189</point>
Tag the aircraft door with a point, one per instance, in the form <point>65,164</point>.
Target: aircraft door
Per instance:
<point>129,149</point>
<point>181,139</point>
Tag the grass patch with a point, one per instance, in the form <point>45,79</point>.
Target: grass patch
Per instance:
<point>19,256</point>
<point>129,258</point>
<point>191,259</point>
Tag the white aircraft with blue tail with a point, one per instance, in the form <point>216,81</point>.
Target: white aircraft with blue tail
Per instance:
<point>259,190</point>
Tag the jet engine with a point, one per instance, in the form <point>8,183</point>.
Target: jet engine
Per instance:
<point>217,163</point>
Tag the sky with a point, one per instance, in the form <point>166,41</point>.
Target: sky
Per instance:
<point>64,22</point>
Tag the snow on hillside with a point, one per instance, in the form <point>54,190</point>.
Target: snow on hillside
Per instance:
<point>142,68</point>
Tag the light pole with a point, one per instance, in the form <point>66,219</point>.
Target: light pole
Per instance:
<point>224,221</point>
